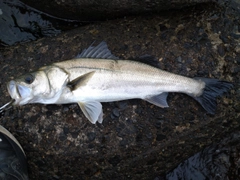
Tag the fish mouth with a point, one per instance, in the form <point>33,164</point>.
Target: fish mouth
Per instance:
<point>13,90</point>
<point>18,92</point>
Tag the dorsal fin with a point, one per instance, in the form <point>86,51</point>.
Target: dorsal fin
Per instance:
<point>100,51</point>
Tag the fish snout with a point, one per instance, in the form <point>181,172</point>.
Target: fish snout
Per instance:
<point>12,90</point>
<point>18,92</point>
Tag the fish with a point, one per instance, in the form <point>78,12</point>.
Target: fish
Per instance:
<point>97,76</point>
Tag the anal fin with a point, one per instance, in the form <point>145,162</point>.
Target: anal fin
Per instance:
<point>158,100</point>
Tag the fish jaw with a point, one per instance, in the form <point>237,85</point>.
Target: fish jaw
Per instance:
<point>20,93</point>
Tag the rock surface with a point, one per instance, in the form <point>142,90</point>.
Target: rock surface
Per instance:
<point>218,161</point>
<point>93,10</point>
<point>136,140</point>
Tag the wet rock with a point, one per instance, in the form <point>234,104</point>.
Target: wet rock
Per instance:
<point>65,130</point>
<point>75,134</point>
<point>116,112</point>
<point>122,104</point>
<point>160,137</point>
<point>101,10</point>
<point>212,162</point>
<point>115,160</point>
<point>21,23</point>
<point>221,50</point>
<point>142,140</point>
<point>151,161</point>
<point>62,137</point>
<point>91,136</point>
<point>159,123</point>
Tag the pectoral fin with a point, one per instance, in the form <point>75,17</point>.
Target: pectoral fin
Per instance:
<point>80,81</point>
<point>158,100</point>
<point>92,110</point>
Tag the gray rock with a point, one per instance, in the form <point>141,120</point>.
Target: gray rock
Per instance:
<point>144,140</point>
<point>93,10</point>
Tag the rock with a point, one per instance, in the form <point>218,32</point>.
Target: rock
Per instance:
<point>94,10</point>
<point>212,162</point>
<point>144,140</point>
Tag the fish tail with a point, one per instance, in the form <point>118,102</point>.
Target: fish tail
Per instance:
<point>213,88</point>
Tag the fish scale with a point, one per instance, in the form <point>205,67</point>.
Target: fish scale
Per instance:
<point>131,71</point>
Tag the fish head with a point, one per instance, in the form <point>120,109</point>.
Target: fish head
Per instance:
<point>29,88</point>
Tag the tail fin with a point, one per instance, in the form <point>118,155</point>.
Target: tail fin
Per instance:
<point>213,89</point>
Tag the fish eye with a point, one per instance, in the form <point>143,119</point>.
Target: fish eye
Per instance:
<point>29,79</point>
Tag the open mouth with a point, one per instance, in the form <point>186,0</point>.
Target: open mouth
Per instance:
<point>13,90</point>
<point>18,92</point>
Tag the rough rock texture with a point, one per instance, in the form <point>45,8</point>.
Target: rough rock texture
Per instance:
<point>137,140</point>
<point>218,161</point>
<point>93,10</point>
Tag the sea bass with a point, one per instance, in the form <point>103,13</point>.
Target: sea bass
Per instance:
<point>96,76</point>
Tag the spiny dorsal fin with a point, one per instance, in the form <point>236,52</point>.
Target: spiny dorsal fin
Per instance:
<point>100,51</point>
<point>80,81</point>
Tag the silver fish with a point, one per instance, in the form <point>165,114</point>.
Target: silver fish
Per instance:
<point>97,76</point>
